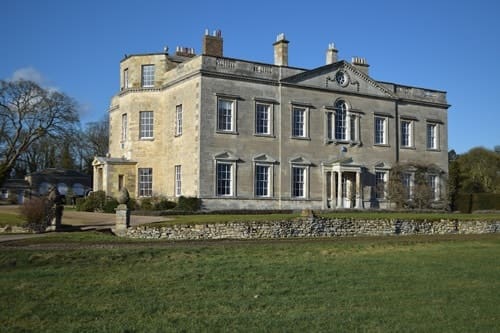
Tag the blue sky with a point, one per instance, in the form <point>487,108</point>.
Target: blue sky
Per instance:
<point>76,46</point>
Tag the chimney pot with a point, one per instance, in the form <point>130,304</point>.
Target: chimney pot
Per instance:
<point>361,64</point>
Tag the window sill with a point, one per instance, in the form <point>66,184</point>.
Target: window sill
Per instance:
<point>435,150</point>
<point>264,135</point>
<point>305,138</point>
<point>408,148</point>
<point>344,142</point>
<point>226,132</point>
<point>177,135</point>
<point>382,145</point>
<point>147,139</point>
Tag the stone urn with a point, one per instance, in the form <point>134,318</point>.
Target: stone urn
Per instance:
<point>123,196</point>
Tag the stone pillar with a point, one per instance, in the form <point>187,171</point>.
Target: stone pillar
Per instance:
<point>339,190</point>
<point>333,187</point>
<point>122,221</point>
<point>358,202</point>
<point>55,210</point>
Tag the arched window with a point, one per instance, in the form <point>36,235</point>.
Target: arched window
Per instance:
<point>342,123</point>
<point>340,120</point>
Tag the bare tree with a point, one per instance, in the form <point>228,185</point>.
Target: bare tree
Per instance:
<point>96,138</point>
<point>28,113</point>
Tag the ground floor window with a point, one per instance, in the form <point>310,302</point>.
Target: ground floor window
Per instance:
<point>434,186</point>
<point>178,180</point>
<point>406,179</point>
<point>380,184</point>
<point>262,180</point>
<point>145,182</point>
<point>299,181</point>
<point>224,179</point>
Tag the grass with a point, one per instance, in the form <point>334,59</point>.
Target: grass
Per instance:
<point>222,218</point>
<point>393,284</point>
<point>11,217</point>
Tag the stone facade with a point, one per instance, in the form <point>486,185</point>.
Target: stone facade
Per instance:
<point>243,134</point>
<point>313,227</point>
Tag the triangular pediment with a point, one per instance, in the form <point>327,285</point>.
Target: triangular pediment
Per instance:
<point>226,156</point>
<point>340,76</point>
<point>264,158</point>
<point>382,165</point>
<point>340,161</point>
<point>101,160</point>
<point>300,160</point>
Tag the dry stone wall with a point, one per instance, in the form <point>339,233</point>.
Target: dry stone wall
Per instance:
<point>312,227</point>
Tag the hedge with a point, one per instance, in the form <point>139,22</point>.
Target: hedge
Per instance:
<point>470,202</point>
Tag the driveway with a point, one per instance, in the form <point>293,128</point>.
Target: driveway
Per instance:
<point>81,220</point>
<point>86,219</point>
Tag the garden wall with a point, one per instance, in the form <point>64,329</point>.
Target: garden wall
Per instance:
<point>313,227</point>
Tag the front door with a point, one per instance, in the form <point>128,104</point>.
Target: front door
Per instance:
<point>348,190</point>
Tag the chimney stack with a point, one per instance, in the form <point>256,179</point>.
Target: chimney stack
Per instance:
<point>281,50</point>
<point>361,64</point>
<point>212,44</point>
<point>331,54</point>
<point>185,51</point>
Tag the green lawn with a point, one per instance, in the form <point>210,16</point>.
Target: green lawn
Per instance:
<point>392,284</point>
<point>11,217</point>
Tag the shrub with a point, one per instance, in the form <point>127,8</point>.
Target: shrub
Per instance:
<point>486,201</point>
<point>79,202</point>
<point>189,204</point>
<point>469,202</point>
<point>110,205</point>
<point>146,204</point>
<point>35,212</point>
<point>132,204</point>
<point>95,201</point>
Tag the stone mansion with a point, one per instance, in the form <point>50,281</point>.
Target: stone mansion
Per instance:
<point>240,134</point>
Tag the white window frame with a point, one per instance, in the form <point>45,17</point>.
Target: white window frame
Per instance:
<point>148,76</point>
<point>229,187</point>
<point>434,184</point>
<point>178,180</point>
<point>268,181</point>
<point>340,121</point>
<point>145,182</point>
<point>300,192</point>
<point>406,135</point>
<point>178,120</point>
<point>263,108</point>
<point>407,180</point>
<point>223,125</point>
<point>124,133</point>
<point>300,124</point>
<point>146,125</point>
<point>380,134</point>
<point>432,136</point>
<point>125,79</point>
<point>381,193</point>
<point>342,125</point>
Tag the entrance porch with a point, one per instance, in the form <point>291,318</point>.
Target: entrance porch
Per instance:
<point>343,185</point>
